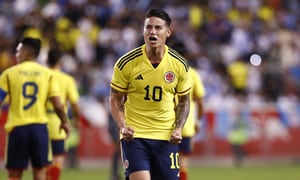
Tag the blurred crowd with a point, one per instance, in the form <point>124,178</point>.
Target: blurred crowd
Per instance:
<point>219,36</point>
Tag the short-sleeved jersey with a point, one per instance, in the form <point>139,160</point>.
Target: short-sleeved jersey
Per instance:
<point>151,91</point>
<point>68,95</point>
<point>28,86</point>
<point>197,90</point>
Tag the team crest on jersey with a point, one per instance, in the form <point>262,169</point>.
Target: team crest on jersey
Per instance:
<point>169,77</point>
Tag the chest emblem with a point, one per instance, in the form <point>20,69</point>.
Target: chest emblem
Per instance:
<point>169,77</point>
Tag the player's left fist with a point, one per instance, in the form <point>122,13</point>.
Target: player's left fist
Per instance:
<point>176,137</point>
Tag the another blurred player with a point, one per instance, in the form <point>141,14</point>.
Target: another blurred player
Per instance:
<point>192,123</point>
<point>28,86</point>
<point>115,136</point>
<point>191,126</point>
<point>69,96</point>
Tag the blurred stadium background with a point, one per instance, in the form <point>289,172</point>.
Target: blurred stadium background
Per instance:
<point>219,37</point>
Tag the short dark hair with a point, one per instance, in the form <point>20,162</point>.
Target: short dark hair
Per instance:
<point>54,56</point>
<point>160,14</point>
<point>33,43</point>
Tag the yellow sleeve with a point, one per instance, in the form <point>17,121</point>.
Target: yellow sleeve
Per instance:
<point>73,94</point>
<point>198,87</point>
<point>54,89</point>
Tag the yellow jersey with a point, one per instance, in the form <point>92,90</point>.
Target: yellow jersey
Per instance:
<point>151,91</point>
<point>68,94</point>
<point>197,90</point>
<point>28,86</point>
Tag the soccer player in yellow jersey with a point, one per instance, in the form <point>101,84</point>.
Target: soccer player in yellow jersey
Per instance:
<point>69,97</point>
<point>191,126</point>
<point>28,86</point>
<point>144,85</point>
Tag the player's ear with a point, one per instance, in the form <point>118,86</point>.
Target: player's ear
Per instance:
<point>169,32</point>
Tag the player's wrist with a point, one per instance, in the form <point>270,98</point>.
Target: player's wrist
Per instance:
<point>64,122</point>
<point>178,129</point>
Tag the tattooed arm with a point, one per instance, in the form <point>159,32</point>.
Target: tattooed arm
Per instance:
<point>117,101</point>
<point>182,112</point>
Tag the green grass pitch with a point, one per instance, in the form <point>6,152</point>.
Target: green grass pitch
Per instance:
<point>262,172</point>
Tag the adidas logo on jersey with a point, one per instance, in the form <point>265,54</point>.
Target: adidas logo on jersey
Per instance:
<point>139,77</point>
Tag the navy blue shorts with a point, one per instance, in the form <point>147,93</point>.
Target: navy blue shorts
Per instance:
<point>30,142</point>
<point>58,147</point>
<point>157,156</point>
<point>186,145</point>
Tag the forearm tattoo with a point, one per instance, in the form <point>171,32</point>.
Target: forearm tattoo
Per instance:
<point>182,111</point>
<point>120,99</point>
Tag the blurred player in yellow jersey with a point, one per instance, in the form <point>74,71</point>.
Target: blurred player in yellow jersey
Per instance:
<point>192,123</point>
<point>29,85</point>
<point>69,97</point>
<point>191,126</point>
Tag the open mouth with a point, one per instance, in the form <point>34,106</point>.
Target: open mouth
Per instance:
<point>152,39</point>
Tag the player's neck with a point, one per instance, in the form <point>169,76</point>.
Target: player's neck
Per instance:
<point>155,55</point>
<point>27,60</point>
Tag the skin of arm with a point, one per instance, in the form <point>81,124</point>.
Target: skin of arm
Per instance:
<point>199,102</point>
<point>59,110</point>
<point>182,111</point>
<point>75,115</point>
<point>117,101</point>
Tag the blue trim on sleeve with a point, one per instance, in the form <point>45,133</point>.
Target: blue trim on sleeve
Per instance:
<point>2,94</point>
